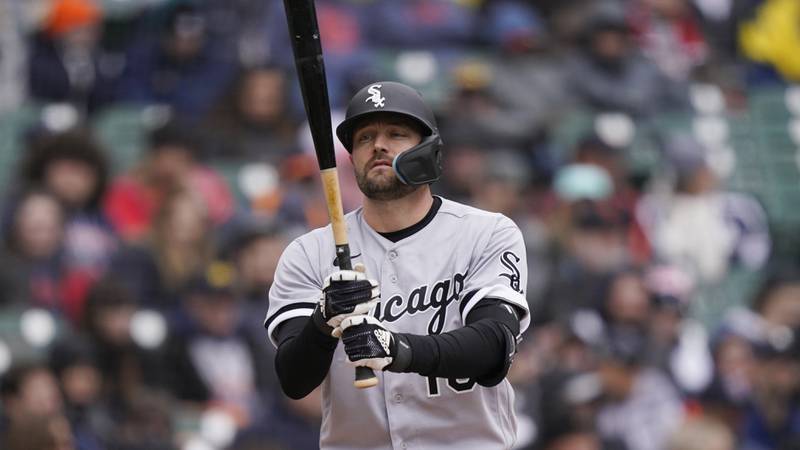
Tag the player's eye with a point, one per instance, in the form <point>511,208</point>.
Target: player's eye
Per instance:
<point>363,137</point>
<point>399,133</point>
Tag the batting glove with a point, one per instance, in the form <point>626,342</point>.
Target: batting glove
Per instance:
<point>345,293</point>
<point>368,343</point>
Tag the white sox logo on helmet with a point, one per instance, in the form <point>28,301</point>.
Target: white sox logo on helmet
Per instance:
<point>375,96</point>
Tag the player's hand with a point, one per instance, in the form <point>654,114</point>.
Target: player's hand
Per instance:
<point>368,343</point>
<point>345,293</point>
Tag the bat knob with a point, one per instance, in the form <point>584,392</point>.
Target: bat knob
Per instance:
<point>365,378</point>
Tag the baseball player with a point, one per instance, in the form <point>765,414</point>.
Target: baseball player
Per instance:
<point>435,306</point>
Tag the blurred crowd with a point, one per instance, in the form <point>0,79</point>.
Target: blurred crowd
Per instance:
<point>132,293</point>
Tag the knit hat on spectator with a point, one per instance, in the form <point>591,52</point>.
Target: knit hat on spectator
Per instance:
<point>214,281</point>
<point>68,15</point>
<point>175,133</point>
<point>576,182</point>
<point>685,154</point>
<point>623,345</point>
<point>670,287</point>
<point>71,352</point>
<point>244,230</point>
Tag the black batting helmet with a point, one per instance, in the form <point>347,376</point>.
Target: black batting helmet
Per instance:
<point>385,96</point>
<point>419,165</point>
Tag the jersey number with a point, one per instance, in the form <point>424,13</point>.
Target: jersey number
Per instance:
<point>458,385</point>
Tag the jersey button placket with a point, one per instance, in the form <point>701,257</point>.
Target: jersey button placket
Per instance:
<point>392,257</point>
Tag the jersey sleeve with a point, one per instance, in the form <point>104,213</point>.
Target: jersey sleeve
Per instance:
<point>500,271</point>
<point>295,290</point>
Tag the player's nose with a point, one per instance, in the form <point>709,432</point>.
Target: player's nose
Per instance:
<point>381,142</point>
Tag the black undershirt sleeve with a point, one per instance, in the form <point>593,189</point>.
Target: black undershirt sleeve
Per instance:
<point>304,356</point>
<point>478,350</point>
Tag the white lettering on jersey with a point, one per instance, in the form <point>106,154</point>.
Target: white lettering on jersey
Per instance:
<point>375,97</point>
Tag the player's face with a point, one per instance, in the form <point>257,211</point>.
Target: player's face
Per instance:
<point>375,144</point>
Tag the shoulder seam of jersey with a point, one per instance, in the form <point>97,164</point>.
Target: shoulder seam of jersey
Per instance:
<point>466,210</point>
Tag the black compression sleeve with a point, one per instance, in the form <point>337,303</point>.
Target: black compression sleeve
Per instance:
<point>494,308</point>
<point>304,356</point>
<point>477,350</point>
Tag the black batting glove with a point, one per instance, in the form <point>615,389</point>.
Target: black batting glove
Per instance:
<point>368,343</point>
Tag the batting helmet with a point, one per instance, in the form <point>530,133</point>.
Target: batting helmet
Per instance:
<point>418,165</point>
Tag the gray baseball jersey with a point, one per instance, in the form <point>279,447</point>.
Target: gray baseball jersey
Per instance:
<point>429,282</point>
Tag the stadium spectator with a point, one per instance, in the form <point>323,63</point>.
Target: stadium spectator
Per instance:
<point>254,246</point>
<point>678,344</point>
<point>511,98</point>
<point>73,363</point>
<point>642,407</point>
<point>592,246</point>
<point>40,433</point>
<point>32,257</point>
<point>132,391</point>
<point>669,33</point>
<point>177,63</point>
<point>292,425</point>
<point>67,63</point>
<point>124,366</point>
<point>591,149</point>
<point>29,392</point>
<point>778,300</point>
<point>772,418</point>
<point>298,206</point>
<point>700,226</point>
<point>215,362</point>
<point>252,122</point>
<point>179,244</point>
<point>73,166</point>
<point>171,163</point>
<point>608,73</point>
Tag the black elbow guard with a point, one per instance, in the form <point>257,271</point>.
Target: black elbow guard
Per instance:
<point>495,377</point>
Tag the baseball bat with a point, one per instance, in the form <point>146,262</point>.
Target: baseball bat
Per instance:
<point>304,32</point>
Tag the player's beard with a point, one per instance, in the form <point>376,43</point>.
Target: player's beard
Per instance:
<point>382,187</point>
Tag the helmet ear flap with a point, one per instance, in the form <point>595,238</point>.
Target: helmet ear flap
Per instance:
<point>421,164</point>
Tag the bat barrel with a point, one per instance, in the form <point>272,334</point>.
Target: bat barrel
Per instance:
<point>306,45</point>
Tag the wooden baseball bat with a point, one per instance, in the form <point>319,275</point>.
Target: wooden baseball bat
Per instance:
<point>304,31</point>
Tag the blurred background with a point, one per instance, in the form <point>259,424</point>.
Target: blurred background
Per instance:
<point>154,162</point>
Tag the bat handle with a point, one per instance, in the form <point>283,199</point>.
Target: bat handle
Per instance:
<point>365,378</point>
